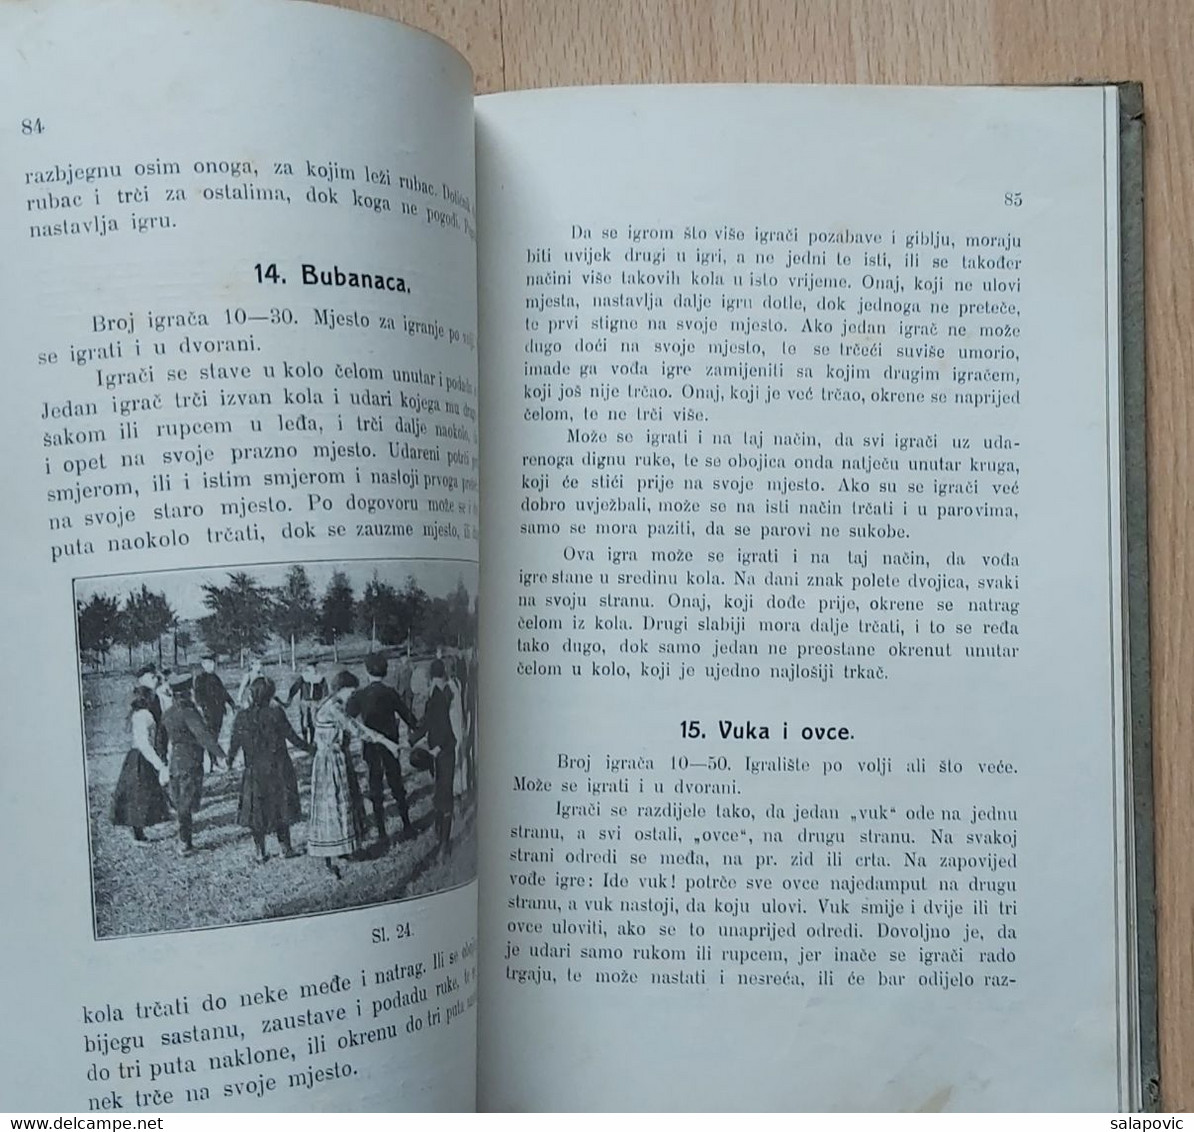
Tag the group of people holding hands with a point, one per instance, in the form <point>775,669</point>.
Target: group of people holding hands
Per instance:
<point>176,721</point>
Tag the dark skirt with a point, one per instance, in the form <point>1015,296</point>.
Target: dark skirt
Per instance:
<point>445,774</point>
<point>139,800</point>
<point>269,794</point>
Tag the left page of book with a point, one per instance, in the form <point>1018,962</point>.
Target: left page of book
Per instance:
<point>240,560</point>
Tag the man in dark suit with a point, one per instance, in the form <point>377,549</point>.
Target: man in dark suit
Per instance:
<point>188,737</point>
<point>381,708</point>
<point>439,735</point>
<point>311,689</point>
<point>211,697</point>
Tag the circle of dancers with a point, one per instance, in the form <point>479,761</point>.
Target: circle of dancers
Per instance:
<point>176,720</point>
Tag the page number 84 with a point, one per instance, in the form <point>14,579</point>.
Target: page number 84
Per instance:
<point>1013,200</point>
<point>32,126</point>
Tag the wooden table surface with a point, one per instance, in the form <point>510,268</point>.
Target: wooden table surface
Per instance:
<point>514,44</point>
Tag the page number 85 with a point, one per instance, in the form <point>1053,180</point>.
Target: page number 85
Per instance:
<point>1013,200</point>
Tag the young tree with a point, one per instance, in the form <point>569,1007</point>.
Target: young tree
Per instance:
<point>459,621</point>
<point>97,627</point>
<point>412,605</point>
<point>295,613</point>
<point>336,612</point>
<point>154,616</point>
<point>239,620</point>
<point>436,626</point>
<point>378,613</point>
<point>183,639</point>
<point>144,619</point>
<point>126,632</point>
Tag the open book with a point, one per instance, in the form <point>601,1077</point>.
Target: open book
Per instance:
<point>608,598</point>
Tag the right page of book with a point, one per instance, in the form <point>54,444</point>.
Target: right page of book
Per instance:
<point>802,620</point>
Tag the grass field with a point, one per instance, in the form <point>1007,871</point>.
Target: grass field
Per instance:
<point>142,889</point>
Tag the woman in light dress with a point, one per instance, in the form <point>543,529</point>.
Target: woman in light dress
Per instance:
<point>139,799</point>
<point>337,825</point>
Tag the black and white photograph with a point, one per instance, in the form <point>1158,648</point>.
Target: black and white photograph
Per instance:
<point>277,740</point>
